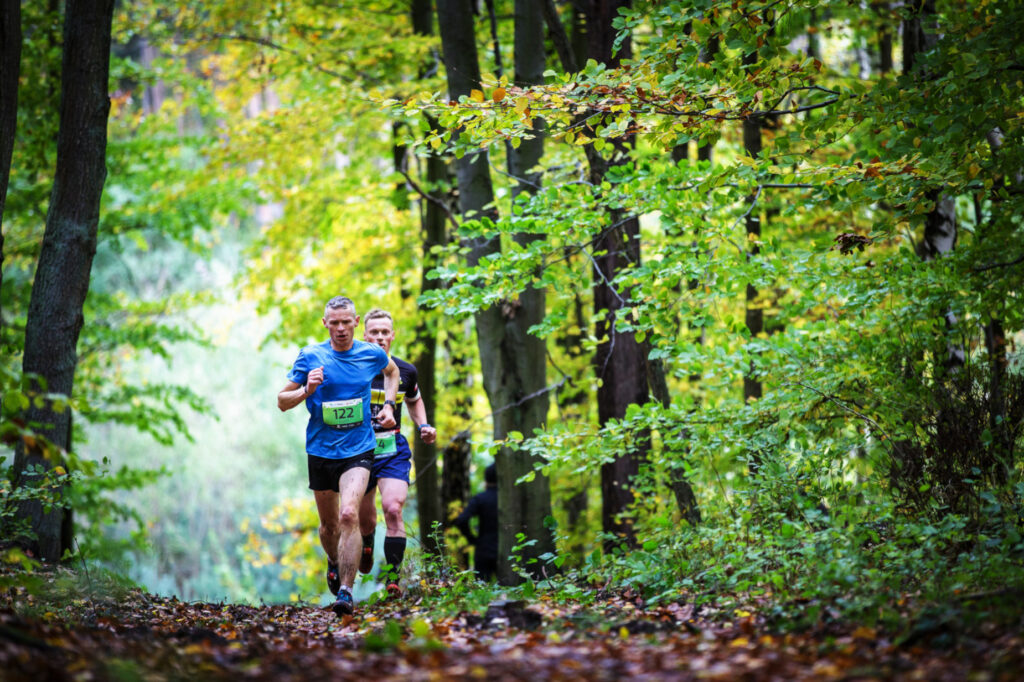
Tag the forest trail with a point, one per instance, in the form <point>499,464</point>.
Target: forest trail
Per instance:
<point>142,637</point>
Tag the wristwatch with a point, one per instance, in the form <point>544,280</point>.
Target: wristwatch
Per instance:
<point>390,402</point>
<point>420,427</point>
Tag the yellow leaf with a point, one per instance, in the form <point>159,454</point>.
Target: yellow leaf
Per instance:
<point>476,95</point>
<point>739,641</point>
<point>59,470</point>
<point>498,94</point>
<point>917,141</point>
<point>623,632</point>
<point>973,170</point>
<point>522,104</point>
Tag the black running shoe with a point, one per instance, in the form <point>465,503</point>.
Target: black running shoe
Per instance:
<point>343,605</point>
<point>366,560</point>
<point>333,579</point>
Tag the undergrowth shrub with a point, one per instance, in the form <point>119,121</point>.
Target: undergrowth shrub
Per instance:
<point>856,564</point>
<point>969,430</point>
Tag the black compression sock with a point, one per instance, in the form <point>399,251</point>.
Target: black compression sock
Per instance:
<point>394,552</point>
<point>368,540</point>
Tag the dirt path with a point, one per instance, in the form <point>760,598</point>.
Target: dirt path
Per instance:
<point>150,638</point>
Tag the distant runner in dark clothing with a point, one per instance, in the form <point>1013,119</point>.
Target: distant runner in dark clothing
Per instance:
<point>484,506</point>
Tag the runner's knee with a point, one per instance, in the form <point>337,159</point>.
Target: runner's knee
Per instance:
<point>393,511</point>
<point>330,526</point>
<point>349,516</point>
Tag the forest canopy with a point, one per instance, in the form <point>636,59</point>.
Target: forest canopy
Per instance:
<point>729,291</point>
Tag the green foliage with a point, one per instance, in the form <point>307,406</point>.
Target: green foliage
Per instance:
<point>271,154</point>
<point>860,559</point>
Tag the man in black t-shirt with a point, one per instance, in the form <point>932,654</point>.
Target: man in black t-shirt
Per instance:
<point>484,506</point>
<point>392,457</point>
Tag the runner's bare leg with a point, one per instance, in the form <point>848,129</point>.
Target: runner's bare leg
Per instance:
<point>368,513</point>
<point>352,486</point>
<point>330,522</point>
<point>393,492</point>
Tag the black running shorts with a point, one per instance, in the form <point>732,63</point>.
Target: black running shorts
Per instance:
<point>325,473</point>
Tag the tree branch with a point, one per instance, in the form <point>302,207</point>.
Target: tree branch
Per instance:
<point>993,266</point>
<point>429,197</point>
<point>556,31</point>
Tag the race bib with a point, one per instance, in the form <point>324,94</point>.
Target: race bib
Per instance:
<point>343,414</point>
<point>386,444</point>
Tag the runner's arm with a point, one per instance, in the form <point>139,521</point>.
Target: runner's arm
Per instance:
<point>291,395</point>
<point>294,393</point>
<point>418,414</point>
<point>386,416</point>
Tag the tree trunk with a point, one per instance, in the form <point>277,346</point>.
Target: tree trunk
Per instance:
<point>508,357</point>
<point>525,507</point>
<point>813,42</point>
<point>455,483</point>
<point>686,499</point>
<point>572,403</point>
<point>69,243</point>
<point>432,223</point>
<point>995,341</point>
<point>10,66</point>
<point>940,228</point>
<point>919,34</point>
<point>885,63</point>
<point>620,363</point>
<point>754,315</point>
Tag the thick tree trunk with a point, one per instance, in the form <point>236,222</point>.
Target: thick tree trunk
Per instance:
<point>10,66</point>
<point>620,363</point>
<point>428,500</point>
<point>525,507</point>
<point>69,243</point>
<point>432,222</point>
<point>508,357</point>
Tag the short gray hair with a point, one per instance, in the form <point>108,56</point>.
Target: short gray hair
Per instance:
<point>340,302</point>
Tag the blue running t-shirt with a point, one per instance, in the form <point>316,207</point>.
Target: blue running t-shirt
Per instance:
<point>339,410</point>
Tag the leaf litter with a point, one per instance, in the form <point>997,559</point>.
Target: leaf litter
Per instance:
<point>139,636</point>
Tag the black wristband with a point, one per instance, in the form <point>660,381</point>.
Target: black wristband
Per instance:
<point>391,403</point>
<point>420,427</point>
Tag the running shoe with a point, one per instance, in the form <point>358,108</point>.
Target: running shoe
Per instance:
<point>394,591</point>
<point>343,605</point>
<point>366,560</point>
<point>333,580</point>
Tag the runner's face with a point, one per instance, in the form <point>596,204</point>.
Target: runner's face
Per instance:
<point>379,331</point>
<point>341,323</point>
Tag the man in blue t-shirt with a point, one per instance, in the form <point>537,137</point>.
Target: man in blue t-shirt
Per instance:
<point>333,378</point>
